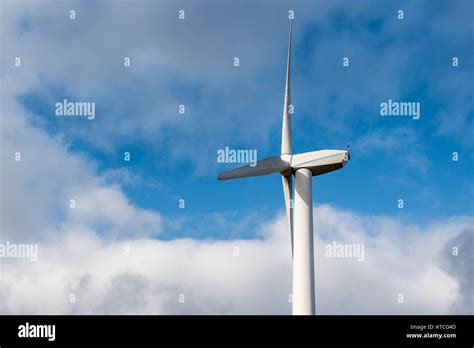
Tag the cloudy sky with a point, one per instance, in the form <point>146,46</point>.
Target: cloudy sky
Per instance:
<point>128,246</point>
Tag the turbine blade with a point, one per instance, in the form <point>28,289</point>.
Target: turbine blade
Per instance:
<point>286,127</point>
<point>287,182</point>
<point>266,166</point>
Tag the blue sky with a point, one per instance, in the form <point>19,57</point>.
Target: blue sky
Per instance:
<point>403,60</point>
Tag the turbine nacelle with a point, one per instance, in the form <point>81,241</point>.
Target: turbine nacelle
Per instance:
<point>320,162</point>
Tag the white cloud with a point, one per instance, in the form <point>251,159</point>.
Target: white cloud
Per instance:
<point>398,259</point>
<point>36,191</point>
<point>108,206</point>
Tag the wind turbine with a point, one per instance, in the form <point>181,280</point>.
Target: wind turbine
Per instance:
<point>303,167</point>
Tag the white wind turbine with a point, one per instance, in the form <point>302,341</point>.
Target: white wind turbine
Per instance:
<point>303,167</point>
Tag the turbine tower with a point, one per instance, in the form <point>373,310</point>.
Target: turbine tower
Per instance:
<point>299,204</point>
